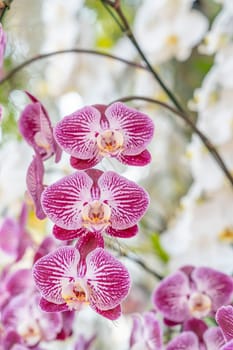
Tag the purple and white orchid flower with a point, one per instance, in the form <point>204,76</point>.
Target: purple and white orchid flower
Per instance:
<point>71,277</point>
<point>94,201</point>
<point>98,131</point>
<point>192,292</point>
<point>35,127</point>
<point>146,332</point>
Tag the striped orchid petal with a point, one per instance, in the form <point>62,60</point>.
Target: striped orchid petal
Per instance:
<point>107,279</point>
<point>76,133</point>
<point>224,317</point>
<point>137,128</point>
<point>51,270</point>
<point>66,235</point>
<point>127,200</point>
<point>63,200</point>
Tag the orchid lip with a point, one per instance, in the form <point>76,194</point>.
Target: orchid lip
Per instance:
<point>74,294</point>
<point>199,304</point>
<point>110,142</point>
<point>96,216</point>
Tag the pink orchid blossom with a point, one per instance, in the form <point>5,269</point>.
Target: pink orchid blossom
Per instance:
<point>192,292</point>
<point>22,320</point>
<point>35,127</point>
<point>31,324</point>
<point>146,333</point>
<point>94,201</point>
<point>224,318</point>
<point>14,239</point>
<point>71,277</point>
<point>98,131</point>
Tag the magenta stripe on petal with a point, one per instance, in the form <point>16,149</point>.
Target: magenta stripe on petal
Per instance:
<point>82,164</point>
<point>111,314</point>
<point>127,200</point>
<point>107,279</point>
<point>224,317</point>
<point>215,284</point>
<point>49,271</point>
<point>140,159</point>
<point>76,133</point>
<point>51,307</point>
<point>137,127</point>
<point>127,233</point>
<point>63,200</point>
<point>66,235</point>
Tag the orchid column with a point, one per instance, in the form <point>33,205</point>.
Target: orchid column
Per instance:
<point>90,203</point>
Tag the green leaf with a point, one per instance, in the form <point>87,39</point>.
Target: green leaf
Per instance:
<point>159,250</point>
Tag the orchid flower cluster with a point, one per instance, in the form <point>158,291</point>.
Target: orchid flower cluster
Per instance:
<point>87,204</point>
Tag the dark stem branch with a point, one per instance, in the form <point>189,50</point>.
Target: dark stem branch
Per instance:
<point>5,5</point>
<point>73,50</point>
<point>136,259</point>
<point>192,125</point>
<point>125,28</point>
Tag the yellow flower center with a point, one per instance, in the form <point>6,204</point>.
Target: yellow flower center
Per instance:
<point>172,40</point>
<point>110,142</point>
<point>199,304</point>
<point>226,235</point>
<point>74,295</point>
<point>96,216</point>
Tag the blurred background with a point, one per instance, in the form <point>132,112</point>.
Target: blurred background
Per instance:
<point>189,44</point>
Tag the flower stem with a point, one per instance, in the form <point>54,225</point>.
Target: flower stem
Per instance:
<point>72,50</point>
<point>125,28</point>
<point>5,5</point>
<point>191,124</point>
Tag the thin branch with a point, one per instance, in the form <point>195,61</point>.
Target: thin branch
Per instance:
<point>4,6</point>
<point>213,151</point>
<point>135,259</point>
<point>72,50</point>
<point>127,31</point>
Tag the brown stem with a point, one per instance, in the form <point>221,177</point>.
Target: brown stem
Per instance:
<point>192,125</point>
<point>136,259</point>
<point>4,6</point>
<point>72,50</point>
<point>125,28</point>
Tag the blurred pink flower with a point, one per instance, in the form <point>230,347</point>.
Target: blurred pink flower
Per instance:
<point>146,333</point>
<point>192,292</point>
